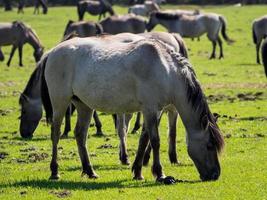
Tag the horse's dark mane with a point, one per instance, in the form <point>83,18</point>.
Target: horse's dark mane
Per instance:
<point>199,103</point>
<point>197,98</point>
<point>168,16</point>
<point>35,77</point>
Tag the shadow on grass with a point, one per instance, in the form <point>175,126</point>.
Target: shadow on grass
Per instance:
<point>92,185</point>
<point>101,167</point>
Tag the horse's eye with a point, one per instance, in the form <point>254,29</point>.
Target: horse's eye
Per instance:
<point>210,146</point>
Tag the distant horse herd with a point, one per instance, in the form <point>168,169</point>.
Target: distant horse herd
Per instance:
<point>115,66</point>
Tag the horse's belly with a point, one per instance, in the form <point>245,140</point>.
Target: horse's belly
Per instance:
<point>111,93</point>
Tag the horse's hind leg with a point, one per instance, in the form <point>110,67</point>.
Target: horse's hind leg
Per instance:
<point>213,55</point>
<point>137,123</point>
<point>11,54</point>
<point>221,47</point>
<point>122,132</point>
<point>58,115</point>
<point>20,47</point>
<point>83,121</point>
<point>172,118</point>
<point>98,124</point>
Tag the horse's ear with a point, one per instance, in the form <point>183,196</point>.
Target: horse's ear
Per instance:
<point>205,122</point>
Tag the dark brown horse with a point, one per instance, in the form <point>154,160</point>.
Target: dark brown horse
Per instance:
<point>17,34</point>
<point>94,8</point>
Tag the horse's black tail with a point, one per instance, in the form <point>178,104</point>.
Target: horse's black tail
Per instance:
<point>225,36</point>
<point>183,50</point>
<point>254,35</point>
<point>44,92</point>
<point>99,28</point>
<point>264,55</point>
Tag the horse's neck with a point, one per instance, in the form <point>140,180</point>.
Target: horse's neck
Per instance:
<point>33,41</point>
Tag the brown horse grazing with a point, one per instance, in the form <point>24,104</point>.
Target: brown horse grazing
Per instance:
<point>94,8</point>
<point>37,3</point>
<point>259,32</point>
<point>124,23</point>
<point>83,28</point>
<point>264,55</point>
<point>17,34</point>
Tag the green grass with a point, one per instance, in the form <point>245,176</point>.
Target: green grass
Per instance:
<point>243,161</point>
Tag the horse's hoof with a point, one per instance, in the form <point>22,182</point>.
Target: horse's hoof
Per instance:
<point>99,133</point>
<point>54,177</point>
<point>138,178</point>
<point>125,162</point>
<point>64,136</point>
<point>168,180</point>
<point>175,162</point>
<point>91,175</point>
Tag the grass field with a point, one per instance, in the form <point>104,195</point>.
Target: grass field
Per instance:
<point>236,89</point>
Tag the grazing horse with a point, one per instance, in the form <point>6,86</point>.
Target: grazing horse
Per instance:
<point>94,8</point>
<point>143,9</point>
<point>17,34</point>
<point>31,105</point>
<point>124,23</point>
<point>125,77</point>
<point>193,26</point>
<point>83,28</point>
<point>264,55</point>
<point>31,108</point>
<point>37,4</point>
<point>259,31</point>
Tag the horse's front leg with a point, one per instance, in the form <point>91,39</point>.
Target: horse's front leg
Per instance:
<point>83,121</point>
<point>152,126</point>
<point>122,133</point>
<point>20,47</point>
<point>2,57</point>
<point>172,118</point>
<point>257,52</point>
<point>98,124</point>
<point>11,54</point>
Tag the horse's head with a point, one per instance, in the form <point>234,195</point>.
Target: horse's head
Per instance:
<point>203,147</point>
<point>37,54</point>
<point>31,114</point>
<point>153,21</point>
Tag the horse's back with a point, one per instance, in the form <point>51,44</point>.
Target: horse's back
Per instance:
<point>103,72</point>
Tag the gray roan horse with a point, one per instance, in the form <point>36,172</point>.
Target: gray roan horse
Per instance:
<point>193,26</point>
<point>124,23</point>
<point>264,55</point>
<point>128,76</point>
<point>17,34</point>
<point>31,105</point>
<point>83,28</point>
<point>259,31</point>
<point>94,8</point>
